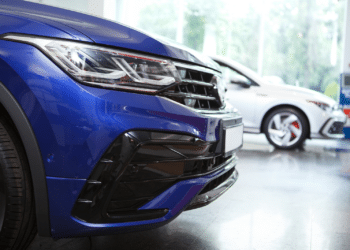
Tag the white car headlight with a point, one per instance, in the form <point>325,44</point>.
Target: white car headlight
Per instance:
<point>321,105</point>
<point>105,67</point>
<point>337,107</point>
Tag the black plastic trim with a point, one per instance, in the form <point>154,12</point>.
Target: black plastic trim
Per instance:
<point>338,125</point>
<point>140,215</point>
<point>181,178</point>
<point>34,157</point>
<point>94,202</point>
<point>215,188</point>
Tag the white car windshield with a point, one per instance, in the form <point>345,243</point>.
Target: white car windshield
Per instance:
<point>274,80</point>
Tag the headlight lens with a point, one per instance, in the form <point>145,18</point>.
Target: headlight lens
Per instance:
<point>337,107</point>
<point>108,68</point>
<point>321,105</point>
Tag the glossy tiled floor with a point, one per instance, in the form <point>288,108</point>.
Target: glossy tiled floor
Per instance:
<point>282,200</point>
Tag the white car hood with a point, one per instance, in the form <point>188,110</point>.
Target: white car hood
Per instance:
<point>297,92</point>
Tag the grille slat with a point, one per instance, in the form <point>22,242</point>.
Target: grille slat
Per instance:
<point>197,90</point>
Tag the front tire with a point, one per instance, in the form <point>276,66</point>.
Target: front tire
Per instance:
<point>286,128</point>
<point>17,213</point>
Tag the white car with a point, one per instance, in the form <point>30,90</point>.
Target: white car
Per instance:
<point>286,114</point>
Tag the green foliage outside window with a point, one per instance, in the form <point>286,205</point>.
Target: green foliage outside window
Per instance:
<point>301,36</point>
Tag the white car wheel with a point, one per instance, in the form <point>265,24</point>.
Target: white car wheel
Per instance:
<point>286,128</point>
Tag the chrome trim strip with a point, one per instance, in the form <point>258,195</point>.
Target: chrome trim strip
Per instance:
<point>197,68</point>
<point>197,83</point>
<point>188,95</point>
<point>221,113</point>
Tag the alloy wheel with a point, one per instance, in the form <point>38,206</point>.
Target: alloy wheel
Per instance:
<point>285,129</point>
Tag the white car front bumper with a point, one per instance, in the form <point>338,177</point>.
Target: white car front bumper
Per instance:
<point>333,127</point>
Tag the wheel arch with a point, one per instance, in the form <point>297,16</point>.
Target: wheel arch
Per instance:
<point>32,150</point>
<point>284,106</point>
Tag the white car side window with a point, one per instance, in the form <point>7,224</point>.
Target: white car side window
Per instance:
<point>233,77</point>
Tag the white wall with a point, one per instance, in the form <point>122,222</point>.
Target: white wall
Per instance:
<point>111,9</point>
<point>346,49</point>
<point>77,5</point>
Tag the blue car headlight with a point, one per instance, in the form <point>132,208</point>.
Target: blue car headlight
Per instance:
<point>106,67</point>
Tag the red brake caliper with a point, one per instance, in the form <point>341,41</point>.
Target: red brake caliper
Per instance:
<point>295,124</point>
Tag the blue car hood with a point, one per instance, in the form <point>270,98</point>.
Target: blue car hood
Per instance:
<point>37,19</point>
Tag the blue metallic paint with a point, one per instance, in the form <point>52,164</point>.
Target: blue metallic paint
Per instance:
<point>53,22</point>
<point>33,153</point>
<point>77,120</point>
<point>14,23</point>
<point>74,124</point>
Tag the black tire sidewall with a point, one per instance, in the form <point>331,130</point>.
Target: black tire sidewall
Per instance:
<point>19,225</point>
<point>3,195</point>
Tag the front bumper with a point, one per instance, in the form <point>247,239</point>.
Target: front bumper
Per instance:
<point>139,166</point>
<point>182,195</point>
<point>333,128</point>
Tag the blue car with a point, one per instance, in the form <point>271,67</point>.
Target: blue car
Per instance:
<point>104,129</point>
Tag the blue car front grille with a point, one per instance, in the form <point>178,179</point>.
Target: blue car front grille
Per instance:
<point>197,90</point>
